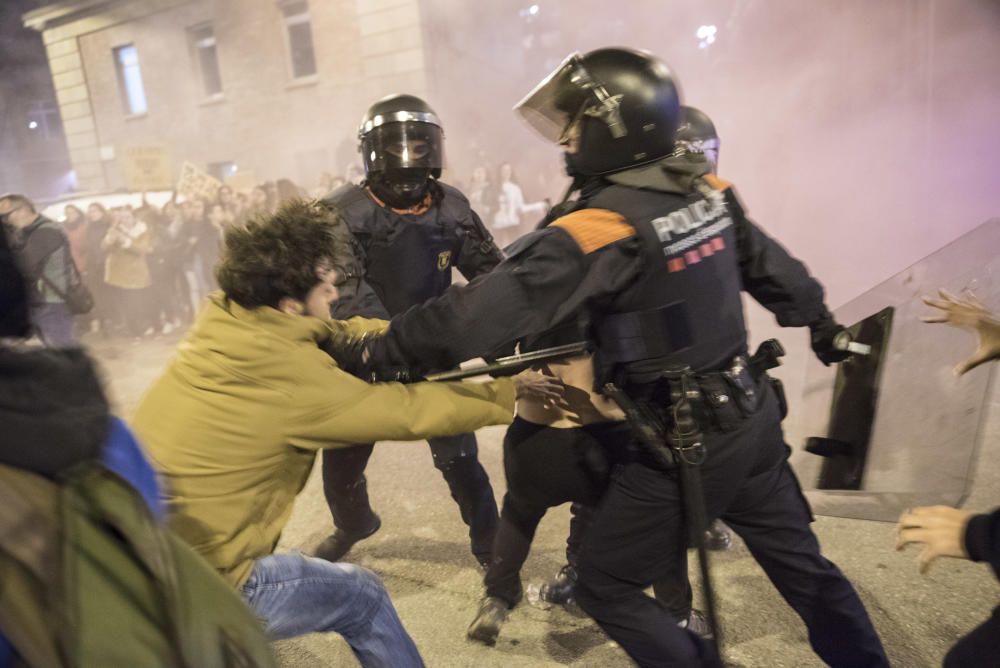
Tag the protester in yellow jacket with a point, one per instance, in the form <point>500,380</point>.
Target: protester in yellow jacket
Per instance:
<point>235,421</point>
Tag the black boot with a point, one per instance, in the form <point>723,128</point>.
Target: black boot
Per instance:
<point>559,590</point>
<point>339,543</point>
<point>486,626</point>
<point>697,623</point>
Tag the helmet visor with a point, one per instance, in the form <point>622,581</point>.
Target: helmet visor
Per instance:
<point>406,145</point>
<point>555,103</point>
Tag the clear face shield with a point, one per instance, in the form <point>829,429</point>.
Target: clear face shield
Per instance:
<point>556,106</point>
<point>408,144</point>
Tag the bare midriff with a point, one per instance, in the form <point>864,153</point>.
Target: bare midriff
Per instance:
<point>580,405</point>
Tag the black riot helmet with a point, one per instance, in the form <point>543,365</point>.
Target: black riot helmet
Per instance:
<point>696,134</point>
<point>402,144</point>
<point>619,106</point>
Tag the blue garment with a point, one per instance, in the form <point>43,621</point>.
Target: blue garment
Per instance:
<point>6,652</point>
<point>296,594</point>
<point>124,456</point>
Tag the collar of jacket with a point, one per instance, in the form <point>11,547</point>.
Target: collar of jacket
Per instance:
<point>220,310</point>
<point>673,174</point>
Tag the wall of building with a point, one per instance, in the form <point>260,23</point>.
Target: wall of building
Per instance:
<point>265,121</point>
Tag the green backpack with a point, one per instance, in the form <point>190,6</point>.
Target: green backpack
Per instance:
<point>88,579</point>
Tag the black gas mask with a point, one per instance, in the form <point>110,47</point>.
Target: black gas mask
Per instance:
<point>401,188</point>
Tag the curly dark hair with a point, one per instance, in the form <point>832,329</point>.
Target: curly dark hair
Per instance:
<point>277,255</point>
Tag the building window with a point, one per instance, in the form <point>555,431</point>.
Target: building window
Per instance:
<point>300,40</point>
<point>130,79</point>
<point>203,40</point>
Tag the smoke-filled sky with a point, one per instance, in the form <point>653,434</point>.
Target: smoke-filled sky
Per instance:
<point>862,134</point>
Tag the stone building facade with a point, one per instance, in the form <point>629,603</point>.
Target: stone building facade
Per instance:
<point>270,87</point>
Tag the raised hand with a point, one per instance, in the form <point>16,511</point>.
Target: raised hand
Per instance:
<point>967,313</point>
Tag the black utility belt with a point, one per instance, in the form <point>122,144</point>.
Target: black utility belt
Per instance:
<point>727,397</point>
<point>726,401</point>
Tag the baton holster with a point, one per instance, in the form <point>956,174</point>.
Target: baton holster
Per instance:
<point>672,435</point>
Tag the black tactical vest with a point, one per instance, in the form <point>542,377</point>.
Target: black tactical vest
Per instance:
<point>407,259</point>
<point>686,307</point>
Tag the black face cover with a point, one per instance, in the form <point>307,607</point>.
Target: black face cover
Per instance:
<point>573,168</point>
<point>401,188</point>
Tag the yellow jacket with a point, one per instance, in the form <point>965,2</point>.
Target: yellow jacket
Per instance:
<point>234,422</point>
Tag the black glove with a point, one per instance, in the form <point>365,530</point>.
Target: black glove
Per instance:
<point>823,333</point>
<point>349,354</point>
<point>352,357</point>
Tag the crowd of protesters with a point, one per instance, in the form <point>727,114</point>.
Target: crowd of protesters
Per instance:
<point>148,267</point>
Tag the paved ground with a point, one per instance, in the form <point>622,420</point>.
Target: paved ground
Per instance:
<point>422,554</point>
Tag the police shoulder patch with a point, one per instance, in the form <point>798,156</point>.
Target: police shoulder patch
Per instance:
<point>593,229</point>
<point>716,182</point>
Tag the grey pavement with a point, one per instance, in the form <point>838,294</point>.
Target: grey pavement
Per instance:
<point>422,555</point>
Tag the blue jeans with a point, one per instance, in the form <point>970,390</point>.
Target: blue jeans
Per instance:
<point>54,325</point>
<point>296,594</point>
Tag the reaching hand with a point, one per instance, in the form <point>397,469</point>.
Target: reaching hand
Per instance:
<point>940,528</point>
<point>968,313</point>
<point>533,385</point>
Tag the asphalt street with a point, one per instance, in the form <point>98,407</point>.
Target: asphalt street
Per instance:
<point>422,554</point>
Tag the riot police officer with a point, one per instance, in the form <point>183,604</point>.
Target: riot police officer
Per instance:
<point>408,230</point>
<point>696,134</point>
<point>656,256</point>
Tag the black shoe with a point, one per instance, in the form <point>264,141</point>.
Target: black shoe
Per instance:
<point>697,623</point>
<point>718,537</point>
<point>560,589</point>
<point>339,543</point>
<point>486,626</point>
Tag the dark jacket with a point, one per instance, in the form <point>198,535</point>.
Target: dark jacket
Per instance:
<point>43,249</point>
<point>982,539</point>
<point>399,260</point>
<point>669,243</point>
<point>14,314</point>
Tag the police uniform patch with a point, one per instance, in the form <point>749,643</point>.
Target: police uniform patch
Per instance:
<point>716,182</point>
<point>593,229</point>
<point>444,260</point>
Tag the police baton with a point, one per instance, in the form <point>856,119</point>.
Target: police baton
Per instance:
<point>514,363</point>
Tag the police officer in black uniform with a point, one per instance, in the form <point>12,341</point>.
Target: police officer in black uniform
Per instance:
<point>409,229</point>
<point>656,256</point>
<point>696,134</point>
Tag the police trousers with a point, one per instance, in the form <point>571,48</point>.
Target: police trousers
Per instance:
<point>979,647</point>
<point>638,536</point>
<point>456,457</point>
<point>546,467</point>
